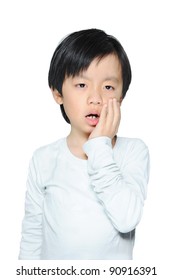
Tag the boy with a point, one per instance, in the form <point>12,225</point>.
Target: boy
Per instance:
<point>85,192</point>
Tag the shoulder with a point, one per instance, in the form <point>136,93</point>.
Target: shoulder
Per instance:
<point>45,159</point>
<point>129,148</point>
<point>48,153</point>
<point>131,143</point>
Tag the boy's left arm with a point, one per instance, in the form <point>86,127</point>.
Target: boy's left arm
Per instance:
<point>121,192</point>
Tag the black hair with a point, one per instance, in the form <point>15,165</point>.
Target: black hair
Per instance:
<point>76,52</point>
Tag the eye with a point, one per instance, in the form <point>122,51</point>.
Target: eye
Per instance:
<point>108,87</point>
<point>81,85</point>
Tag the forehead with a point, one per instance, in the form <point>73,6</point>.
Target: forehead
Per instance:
<point>107,66</point>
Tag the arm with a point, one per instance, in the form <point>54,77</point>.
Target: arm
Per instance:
<point>121,192</point>
<point>30,247</point>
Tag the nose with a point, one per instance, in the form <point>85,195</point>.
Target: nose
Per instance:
<point>95,99</point>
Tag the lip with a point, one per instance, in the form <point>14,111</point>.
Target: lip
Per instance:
<point>92,121</point>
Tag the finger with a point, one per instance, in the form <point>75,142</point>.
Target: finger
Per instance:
<point>110,114</point>
<point>117,112</point>
<point>103,114</point>
<point>116,106</point>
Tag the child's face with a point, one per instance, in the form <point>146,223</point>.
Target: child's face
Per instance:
<point>85,94</point>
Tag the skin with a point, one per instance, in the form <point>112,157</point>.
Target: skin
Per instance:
<point>96,90</point>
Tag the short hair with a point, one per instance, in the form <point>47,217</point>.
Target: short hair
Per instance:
<point>75,53</point>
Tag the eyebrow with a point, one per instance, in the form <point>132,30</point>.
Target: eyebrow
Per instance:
<point>111,78</point>
<point>108,78</point>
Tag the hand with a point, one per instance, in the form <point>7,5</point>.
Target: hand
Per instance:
<point>109,120</point>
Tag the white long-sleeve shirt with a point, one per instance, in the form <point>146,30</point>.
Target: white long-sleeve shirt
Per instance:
<point>85,209</point>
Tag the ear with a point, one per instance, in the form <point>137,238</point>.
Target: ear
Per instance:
<point>57,96</point>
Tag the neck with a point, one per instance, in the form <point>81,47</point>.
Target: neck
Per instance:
<point>77,139</point>
<point>75,143</point>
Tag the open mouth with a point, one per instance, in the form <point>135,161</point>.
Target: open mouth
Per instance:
<point>92,116</point>
<point>92,119</point>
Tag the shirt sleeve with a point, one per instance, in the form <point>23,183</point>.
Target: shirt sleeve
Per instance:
<point>121,191</point>
<point>31,242</point>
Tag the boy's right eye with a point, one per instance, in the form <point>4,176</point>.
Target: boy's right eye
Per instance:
<point>81,85</point>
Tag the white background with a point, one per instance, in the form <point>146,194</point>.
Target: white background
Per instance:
<point>29,34</point>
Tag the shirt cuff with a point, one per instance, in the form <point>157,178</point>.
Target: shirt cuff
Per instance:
<point>99,151</point>
<point>96,143</point>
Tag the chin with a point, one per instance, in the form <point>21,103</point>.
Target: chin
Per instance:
<point>88,132</point>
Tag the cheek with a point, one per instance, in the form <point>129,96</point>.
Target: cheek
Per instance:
<point>108,96</point>
<point>117,95</point>
<point>71,106</point>
<point>68,108</point>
